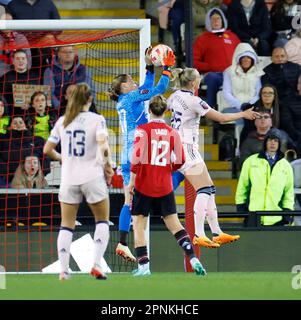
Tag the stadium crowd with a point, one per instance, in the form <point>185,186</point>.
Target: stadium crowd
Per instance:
<point>231,39</point>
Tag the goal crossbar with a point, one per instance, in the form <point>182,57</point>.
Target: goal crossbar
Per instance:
<point>143,25</point>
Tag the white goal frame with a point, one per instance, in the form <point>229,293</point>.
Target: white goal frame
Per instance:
<point>141,25</point>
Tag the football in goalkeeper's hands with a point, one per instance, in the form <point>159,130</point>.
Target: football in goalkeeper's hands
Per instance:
<point>158,53</point>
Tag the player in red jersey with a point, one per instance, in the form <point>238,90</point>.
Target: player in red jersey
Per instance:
<point>157,152</point>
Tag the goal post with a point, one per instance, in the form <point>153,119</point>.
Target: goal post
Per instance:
<point>22,246</point>
<point>142,25</point>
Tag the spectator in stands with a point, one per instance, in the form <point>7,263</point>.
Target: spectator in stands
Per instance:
<point>176,16</point>
<point>164,7</point>
<point>200,9</point>
<point>282,74</point>
<point>242,79</point>
<point>266,181</point>
<point>268,99</point>
<point>213,51</point>
<point>282,15</point>
<point>4,118</point>
<point>20,74</point>
<point>66,70</point>
<point>250,20</point>
<point>291,117</point>
<point>293,48</point>
<point>172,14</point>
<point>13,143</point>
<point>29,174</point>
<point>69,90</point>
<point>253,143</point>
<point>10,40</point>
<point>33,9</point>
<point>40,118</point>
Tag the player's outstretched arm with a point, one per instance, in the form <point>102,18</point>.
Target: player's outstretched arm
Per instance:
<point>226,117</point>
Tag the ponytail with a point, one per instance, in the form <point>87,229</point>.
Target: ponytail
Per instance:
<point>183,77</point>
<point>79,98</point>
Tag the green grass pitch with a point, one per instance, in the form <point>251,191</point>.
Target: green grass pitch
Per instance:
<point>170,286</point>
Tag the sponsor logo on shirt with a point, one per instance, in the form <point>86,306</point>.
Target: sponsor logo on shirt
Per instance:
<point>204,105</point>
<point>228,41</point>
<point>144,91</point>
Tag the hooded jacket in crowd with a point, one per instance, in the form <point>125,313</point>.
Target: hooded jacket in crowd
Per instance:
<point>242,87</point>
<point>213,51</point>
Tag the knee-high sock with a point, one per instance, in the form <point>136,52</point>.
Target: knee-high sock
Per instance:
<point>64,241</point>
<point>142,256</point>
<point>125,218</point>
<point>200,208</point>
<point>101,239</point>
<point>212,217</point>
<point>184,242</point>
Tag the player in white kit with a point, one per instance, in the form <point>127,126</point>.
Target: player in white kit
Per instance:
<point>187,110</point>
<point>86,170</point>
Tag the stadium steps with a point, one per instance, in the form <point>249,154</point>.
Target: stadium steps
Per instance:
<point>225,196</point>
<point>225,191</point>
<point>102,14</point>
<point>96,4</point>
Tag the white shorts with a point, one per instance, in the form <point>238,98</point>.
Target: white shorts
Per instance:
<point>94,191</point>
<point>192,157</point>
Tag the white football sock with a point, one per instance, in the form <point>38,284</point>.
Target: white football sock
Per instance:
<point>101,239</point>
<point>200,208</point>
<point>64,241</point>
<point>212,217</point>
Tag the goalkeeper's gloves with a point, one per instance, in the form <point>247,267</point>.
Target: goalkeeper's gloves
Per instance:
<point>169,60</point>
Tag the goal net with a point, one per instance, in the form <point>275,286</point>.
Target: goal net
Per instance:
<point>30,213</point>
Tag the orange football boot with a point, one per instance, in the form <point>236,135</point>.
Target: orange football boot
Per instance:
<point>204,242</point>
<point>224,238</point>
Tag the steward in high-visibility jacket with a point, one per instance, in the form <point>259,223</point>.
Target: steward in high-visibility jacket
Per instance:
<point>266,181</point>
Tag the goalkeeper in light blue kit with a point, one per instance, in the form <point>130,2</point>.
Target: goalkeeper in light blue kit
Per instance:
<point>132,113</point>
